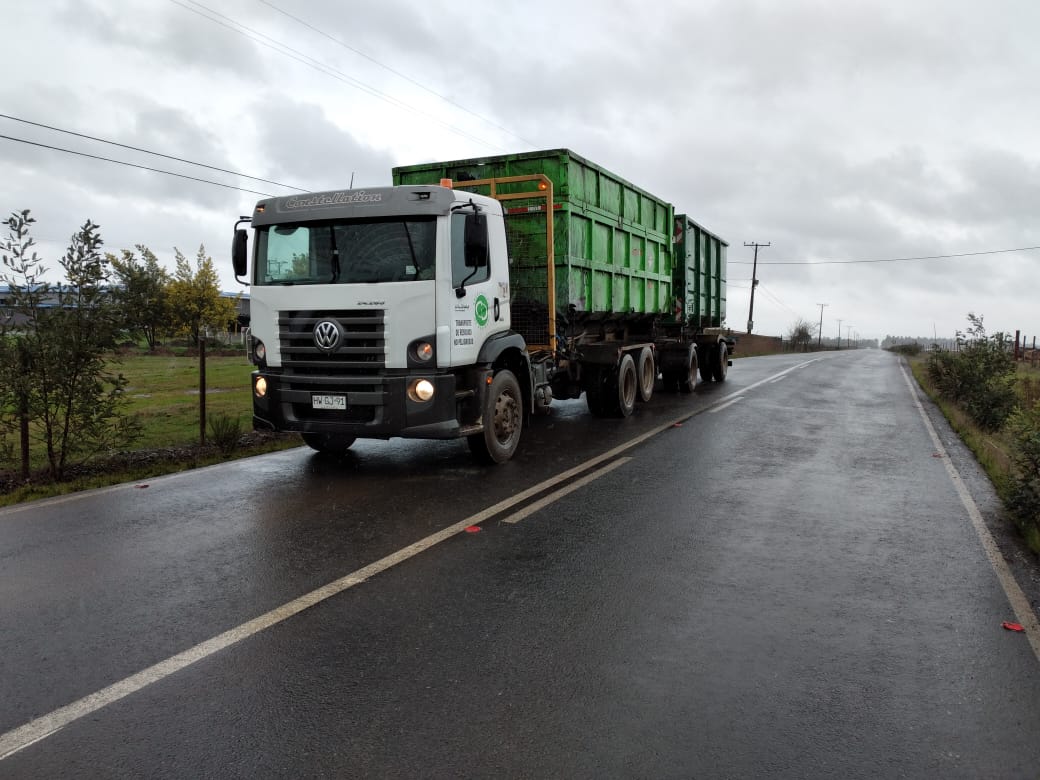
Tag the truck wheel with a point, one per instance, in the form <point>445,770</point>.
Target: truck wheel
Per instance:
<point>720,362</point>
<point>626,388</point>
<point>597,393</point>
<point>647,371</point>
<point>328,443</point>
<point>706,365</point>
<point>503,420</point>
<point>688,380</point>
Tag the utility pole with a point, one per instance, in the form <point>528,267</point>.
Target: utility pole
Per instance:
<point>839,334</point>
<point>819,336</point>
<point>754,284</point>
<point>848,335</point>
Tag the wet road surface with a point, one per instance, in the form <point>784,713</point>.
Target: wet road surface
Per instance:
<point>775,577</point>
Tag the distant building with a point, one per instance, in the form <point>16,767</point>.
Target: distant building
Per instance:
<point>8,317</point>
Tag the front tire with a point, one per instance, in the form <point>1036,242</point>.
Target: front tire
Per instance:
<point>328,443</point>
<point>503,418</point>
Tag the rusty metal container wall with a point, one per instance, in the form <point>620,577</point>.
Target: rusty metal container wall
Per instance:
<point>613,242</point>
<point>700,273</point>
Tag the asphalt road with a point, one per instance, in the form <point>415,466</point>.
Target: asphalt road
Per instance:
<point>776,577</point>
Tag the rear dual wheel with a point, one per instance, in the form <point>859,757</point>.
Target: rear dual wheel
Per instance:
<point>646,371</point>
<point>613,392</point>
<point>720,362</point>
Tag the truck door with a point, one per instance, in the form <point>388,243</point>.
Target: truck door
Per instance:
<point>478,303</point>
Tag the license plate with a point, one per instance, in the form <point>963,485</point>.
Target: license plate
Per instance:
<point>334,402</point>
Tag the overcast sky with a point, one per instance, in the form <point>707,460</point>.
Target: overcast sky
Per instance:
<point>835,131</point>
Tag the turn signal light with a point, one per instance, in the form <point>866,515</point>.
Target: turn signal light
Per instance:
<point>424,351</point>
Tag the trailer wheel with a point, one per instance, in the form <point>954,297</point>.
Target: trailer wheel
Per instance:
<point>328,443</point>
<point>647,371</point>
<point>626,387</point>
<point>706,365</point>
<point>503,421</point>
<point>688,380</point>
<point>720,362</point>
<point>597,393</point>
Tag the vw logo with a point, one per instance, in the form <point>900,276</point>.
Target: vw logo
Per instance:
<point>326,335</point>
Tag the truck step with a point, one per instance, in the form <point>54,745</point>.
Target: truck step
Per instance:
<point>469,430</point>
<point>463,394</point>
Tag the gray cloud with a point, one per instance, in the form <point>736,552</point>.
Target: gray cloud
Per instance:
<point>835,131</point>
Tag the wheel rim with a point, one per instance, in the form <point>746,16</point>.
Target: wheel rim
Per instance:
<point>506,417</point>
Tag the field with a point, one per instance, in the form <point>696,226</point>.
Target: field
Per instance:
<point>163,393</point>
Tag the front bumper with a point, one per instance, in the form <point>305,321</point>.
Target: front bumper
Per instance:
<point>382,414</point>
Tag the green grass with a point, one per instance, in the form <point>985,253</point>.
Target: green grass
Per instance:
<point>164,395</point>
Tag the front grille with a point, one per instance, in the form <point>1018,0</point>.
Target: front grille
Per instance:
<point>356,368</point>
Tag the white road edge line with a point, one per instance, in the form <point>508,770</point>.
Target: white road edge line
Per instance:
<point>19,738</point>
<point>726,405</point>
<point>541,503</point>
<point>1024,613</point>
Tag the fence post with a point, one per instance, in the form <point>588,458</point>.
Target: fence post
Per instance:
<point>202,391</point>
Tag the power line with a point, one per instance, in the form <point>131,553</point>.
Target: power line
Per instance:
<point>328,70</point>
<point>135,165</point>
<point>889,259</point>
<point>148,151</point>
<point>777,300</point>
<point>407,78</point>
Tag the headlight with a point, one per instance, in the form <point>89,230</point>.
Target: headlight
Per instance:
<point>420,390</point>
<point>260,388</point>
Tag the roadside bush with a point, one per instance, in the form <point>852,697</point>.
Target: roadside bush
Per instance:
<point>1025,494</point>
<point>979,376</point>
<point>225,432</point>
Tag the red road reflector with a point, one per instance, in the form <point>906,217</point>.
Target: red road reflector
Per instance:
<point>1012,626</point>
<point>140,487</point>
<point>473,529</point>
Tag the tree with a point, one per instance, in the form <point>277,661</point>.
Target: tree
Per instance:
<point>801,335</point>
<point>142,293</point>
<point>62,335</point>
<point>194,297</point>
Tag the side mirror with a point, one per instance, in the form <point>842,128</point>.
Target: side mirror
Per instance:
<point>476,241</point>
<point>238,252</point>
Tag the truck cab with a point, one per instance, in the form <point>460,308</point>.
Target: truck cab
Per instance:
<point>379,313</point>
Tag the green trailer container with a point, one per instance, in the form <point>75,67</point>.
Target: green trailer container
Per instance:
<point>700,271</point>
<point>613,240</point>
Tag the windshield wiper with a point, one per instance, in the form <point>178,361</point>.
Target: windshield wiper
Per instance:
<point>335,255</point>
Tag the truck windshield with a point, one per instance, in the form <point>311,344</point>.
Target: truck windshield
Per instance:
<point>347,252</point>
